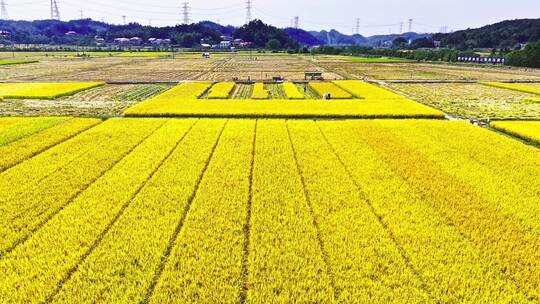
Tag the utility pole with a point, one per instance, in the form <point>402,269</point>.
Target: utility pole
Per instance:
<point>410,25</point>
<point>55,12</point>
<point>357,26</point>
<point>296,22</point>
<point>185,12</point>
<point>249,7</point>
<point>4,14</point>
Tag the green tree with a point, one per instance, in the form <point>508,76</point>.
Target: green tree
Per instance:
<point>527,57</point>
<point>399,43</point>
<point>273,44</point>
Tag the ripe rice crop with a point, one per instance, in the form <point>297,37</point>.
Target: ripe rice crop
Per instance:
<point>33,144</point>
<point>335,92</point>
<point>362,89</point>
<point>260,92</point>
<point>291,91</point>
<point>188,90</point>
<point>181,101</point>
<point>285,108</point>
<point>44,90</point>
<point>80,160</point>
<point>154,229</point>
<point>25,127</point>
<point>514,86</point>
<point>280,211</point>
<point>527,130</point>
<point>221,90</point>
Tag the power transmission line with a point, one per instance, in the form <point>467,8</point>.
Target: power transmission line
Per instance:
<point>185,12</point>
<point>55,12</point>
<point>249,6</point>
<point>4,14</point>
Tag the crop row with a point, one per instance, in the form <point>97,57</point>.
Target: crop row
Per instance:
<point>180,101</point>
<point>44,90</point>
<point>132,252</point>
<point>80,225</point>
<point>221,90</point>
<point>365,90</point>
<point>191,210</point>
<point>429,211</point>
<point>15,129</point>
<point>260,92</point>
<point>40,187</point>
<point>514,86</point>
<point>140,92</point>
<point>527,130</point>
<point>32,144</point>
<point>330,90</point>
<point>286,108</point>
<point>291,91</point>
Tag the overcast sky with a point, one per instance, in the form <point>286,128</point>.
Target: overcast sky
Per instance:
<point>376,17</point>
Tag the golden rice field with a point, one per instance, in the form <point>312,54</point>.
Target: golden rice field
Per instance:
<point>371,102</point>
<point>526,130</point>
<point>232,211</point>
<point>109,100</point>
<point>147,178</point>
<point>38,90</point>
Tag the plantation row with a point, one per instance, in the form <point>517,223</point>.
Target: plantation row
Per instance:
<point>371,102</point>
<point>41,90</point>
<point>288,90</point>
<point>231,211</point>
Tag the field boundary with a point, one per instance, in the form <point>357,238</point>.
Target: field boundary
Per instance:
<point>247,226</point>
<point>309,203</point>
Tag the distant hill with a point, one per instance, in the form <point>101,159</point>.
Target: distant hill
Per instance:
<point>506,34</point>
<point>84,31</point>
<point>303,37</point>
<point>379,40</point>
<point>335,38</point>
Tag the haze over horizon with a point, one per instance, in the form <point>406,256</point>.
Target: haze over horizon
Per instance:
<point>381,17</point>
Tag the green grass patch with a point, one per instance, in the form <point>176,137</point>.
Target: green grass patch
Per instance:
<point>377,60</point>
<point>16,61</point>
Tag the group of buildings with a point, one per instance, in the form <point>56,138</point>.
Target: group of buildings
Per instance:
<point>135,41</point>
<point>227,42</point>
